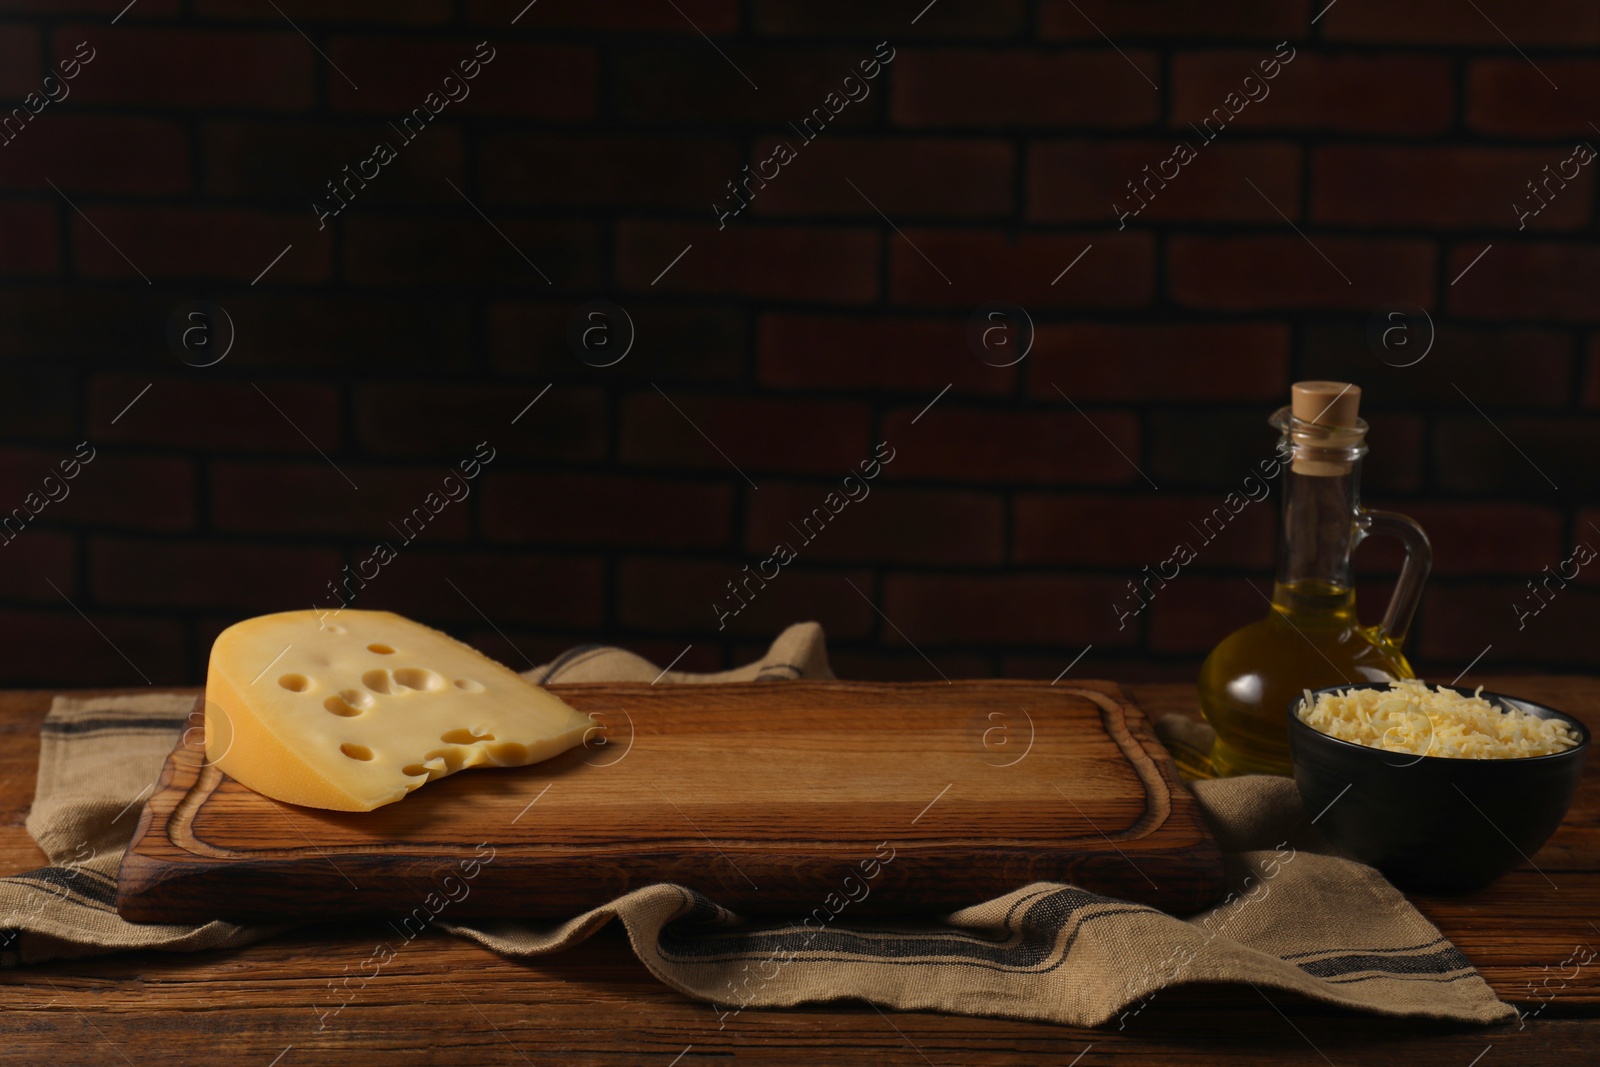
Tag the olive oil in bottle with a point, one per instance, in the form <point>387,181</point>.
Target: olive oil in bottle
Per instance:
<point>1311,636</point>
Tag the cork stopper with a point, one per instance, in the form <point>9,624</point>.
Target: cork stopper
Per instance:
<point>1327,405</point>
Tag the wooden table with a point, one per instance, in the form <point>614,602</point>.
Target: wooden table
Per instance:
<point>450,1002</point>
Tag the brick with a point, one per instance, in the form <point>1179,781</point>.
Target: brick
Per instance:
<point>1007,609</point>
<point>465,250</point>
<point>997,446</point>
<point>1025,87</point>
<point>38,402</point>
<point>1220,448</point>
<point>891,525</point>
<point>945,176</point>
<point>692,16</point>
<point>60,650</point>
<point>345,330</point>
<point>1471,358</point>
<point>396,77</point>
<point>682,597</point>
<point>15,122</point>
<point>34,560</point>
<point>1512,98</point>
<point>1193,613</point>
<point>229,416</point>
<point>1086,20</point>
<point>1526,280</point>
<point>293,162</point>
<point>1392,93</point>
<point>1396,462</point>
<point>605,171</point>
<point>403,13</point>
<point>19,64</point>
<point>172,573</point>
<point>131,493</point>
<point>830,264</point>
<point>1087,181</point>
<point>1259,272</point>
<point>448,421</point>
<point>688,82</point>
<point>20,71</point>
<point>1471,455</point>
<point>126,155</point>
<point>983,265</point>
<point>876,353</point>
<point>1476,539</point>
<point>808,18</point>
<point>1123,531</point>
<point>509,588</point>
<point>1586,530</point>
<point>77,323</point>
<point>28,238</point>
<point>1380,557</point>
<point>197,242</point>
<point>1215,449</point>
<point>672,342</point>
<point>140,492</point>
<point>1459,621</point>
<point>754,433</point>
<point>310,497</point>
<point>145,9</point>
<point>1561,23</point>
<point>593,509</point>
<point>184,68</point>
<point>1382,186</point>
<point>870,665</point>
<point>1182,362</point>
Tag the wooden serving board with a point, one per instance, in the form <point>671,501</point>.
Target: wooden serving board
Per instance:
<point>765,796</point>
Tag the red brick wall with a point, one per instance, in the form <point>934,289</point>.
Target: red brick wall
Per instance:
<point>1381,167</point>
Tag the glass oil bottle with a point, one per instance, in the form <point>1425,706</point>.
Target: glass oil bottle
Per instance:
<point>1311,637</point>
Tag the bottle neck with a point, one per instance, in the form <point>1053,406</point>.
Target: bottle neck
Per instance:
<point>1321,502</point>
<point>1319,530</point>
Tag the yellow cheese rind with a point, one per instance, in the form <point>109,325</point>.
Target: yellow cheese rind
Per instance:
<point>353,710</point>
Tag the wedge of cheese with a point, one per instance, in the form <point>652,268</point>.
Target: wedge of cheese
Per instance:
<point>353,710</point>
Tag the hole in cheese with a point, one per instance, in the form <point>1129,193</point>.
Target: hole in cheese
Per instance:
<point>382,650</point>
<point>464,737</point>
<point>360,752</point>
<point>419,678</point>
<point>378,681</point>
<point>349,703</point>
<point>295,683</point>
<point>469,685</point>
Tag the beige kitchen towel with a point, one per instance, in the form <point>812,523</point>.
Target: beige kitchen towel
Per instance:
<point>1296,917</point>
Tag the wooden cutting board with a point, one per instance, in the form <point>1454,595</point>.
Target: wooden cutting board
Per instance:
<point>767,797</point>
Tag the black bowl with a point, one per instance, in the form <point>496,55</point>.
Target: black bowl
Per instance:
<point>1434,824</point>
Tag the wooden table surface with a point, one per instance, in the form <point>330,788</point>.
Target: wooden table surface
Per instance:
<point>451,1002</point>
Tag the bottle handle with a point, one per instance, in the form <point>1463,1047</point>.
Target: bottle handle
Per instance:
<point>1407,594</point>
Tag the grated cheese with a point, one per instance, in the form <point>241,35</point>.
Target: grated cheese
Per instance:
<point>1411,717</point>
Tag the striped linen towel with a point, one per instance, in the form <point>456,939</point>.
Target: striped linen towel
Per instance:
<point>1296,918</point>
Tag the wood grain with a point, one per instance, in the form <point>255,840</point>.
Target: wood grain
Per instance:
<point>448,1001</point>
<point>762,796</point>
